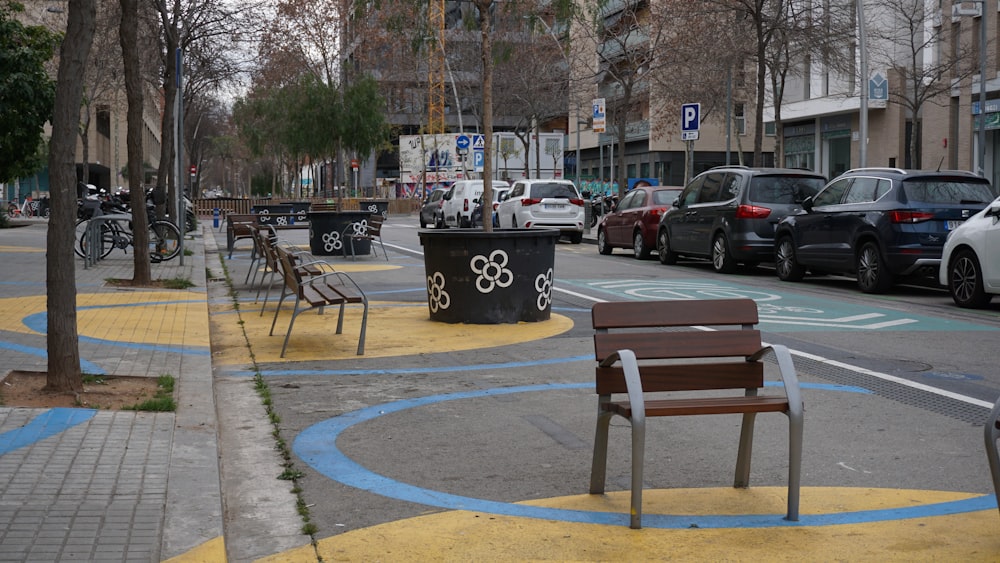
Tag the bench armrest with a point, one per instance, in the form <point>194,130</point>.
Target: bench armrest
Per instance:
<point>630,367</point>
<point>786,369</point>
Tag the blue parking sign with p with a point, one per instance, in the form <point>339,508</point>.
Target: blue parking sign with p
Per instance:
<point>690,117</point>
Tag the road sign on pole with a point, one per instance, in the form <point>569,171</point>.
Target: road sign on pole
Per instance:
<point>599,115</point>
<point>690,121</point>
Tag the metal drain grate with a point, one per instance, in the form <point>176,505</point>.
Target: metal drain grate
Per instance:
<point>939,404</point>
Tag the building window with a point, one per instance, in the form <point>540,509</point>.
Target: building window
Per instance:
<point>739,119</point>
<point>104,121</point>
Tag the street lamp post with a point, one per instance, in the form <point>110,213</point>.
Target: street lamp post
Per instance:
<point>863,52</point>
<point>957,10</point>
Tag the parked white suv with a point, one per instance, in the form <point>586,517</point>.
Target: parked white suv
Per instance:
<point>970,261</point>
<point>543,204</point>
<point>461,200</point>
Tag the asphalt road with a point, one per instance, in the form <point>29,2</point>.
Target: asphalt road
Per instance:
<point>898,385</point>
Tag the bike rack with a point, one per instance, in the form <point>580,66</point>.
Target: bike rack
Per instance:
<point>91,251</point>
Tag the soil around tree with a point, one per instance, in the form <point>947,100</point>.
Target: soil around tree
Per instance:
<point>24,389</point>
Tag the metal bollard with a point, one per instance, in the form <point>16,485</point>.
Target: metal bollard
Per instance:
<point>215,218</point>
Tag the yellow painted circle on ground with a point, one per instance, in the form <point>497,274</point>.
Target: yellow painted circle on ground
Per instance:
<point>394,329</point>
<point>471,536</point>
<point>147,317</point>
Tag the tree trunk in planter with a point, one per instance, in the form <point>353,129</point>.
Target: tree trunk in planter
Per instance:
<point>478,277</point>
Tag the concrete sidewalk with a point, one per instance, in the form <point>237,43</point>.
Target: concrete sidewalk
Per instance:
<point>93,485</point>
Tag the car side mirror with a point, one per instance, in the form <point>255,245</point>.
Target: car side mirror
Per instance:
<point>676,203</point>
<point>994,211</point>
<point>807,203</point>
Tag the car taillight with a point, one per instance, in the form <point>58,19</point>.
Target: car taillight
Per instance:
<point>530,201</point>
<point>903,216</point>
<point>495,205</point>
<point>465,205</point>
<point>752,212</point>
<point>575,201</point>
<point>657,211</point>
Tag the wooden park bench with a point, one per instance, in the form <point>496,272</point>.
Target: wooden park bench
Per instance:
<point>239,226</point>
<point>664,346</point>
<point>317,292</point>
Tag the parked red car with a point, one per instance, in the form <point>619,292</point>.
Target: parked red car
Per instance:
<point>633,222</point>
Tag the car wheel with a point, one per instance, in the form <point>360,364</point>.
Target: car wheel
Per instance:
<point>785,265</point>
<point>873,277</point>
<point>965,281</point>
<point>423,224</point>
<point>575,238</point>
<point>639,246</point>
<point>722,261</point>
<point>439,222</point>
<point>460,221</point>
<point>602,242</point>
<point>667,256</point>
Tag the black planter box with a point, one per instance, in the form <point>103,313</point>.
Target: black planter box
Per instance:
<point>375,207</point>
<point>264,214</point>
<point>501,277</point>
<point>326,232</point>
<point>300,209</point>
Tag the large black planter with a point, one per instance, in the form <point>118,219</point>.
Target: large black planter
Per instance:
<point>300,209</point>
<point>326,232</point>
<point>375,207</point>
<point>476,277</point>
<point>264,214</point>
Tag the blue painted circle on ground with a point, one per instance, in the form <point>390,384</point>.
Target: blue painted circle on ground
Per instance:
<point>317,446</point>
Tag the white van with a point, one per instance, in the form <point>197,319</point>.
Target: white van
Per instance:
<point>461,199</point>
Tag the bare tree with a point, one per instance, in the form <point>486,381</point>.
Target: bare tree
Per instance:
<point>62,338</point>
<point>918,58</point>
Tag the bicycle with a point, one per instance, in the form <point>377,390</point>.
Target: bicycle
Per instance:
<point>164,238</point>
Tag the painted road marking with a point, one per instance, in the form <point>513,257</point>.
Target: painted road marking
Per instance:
<point>46,424</point>
<point>317,446</point>
<point>779,311</point>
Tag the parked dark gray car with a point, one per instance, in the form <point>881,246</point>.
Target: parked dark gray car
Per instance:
<point>878,223</point>
<point>430,212</point>
<point>728,214</point>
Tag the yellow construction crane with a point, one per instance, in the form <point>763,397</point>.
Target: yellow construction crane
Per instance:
<point>435,74</point>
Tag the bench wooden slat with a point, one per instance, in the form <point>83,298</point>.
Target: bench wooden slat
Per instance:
<point>686,377</point>
<point>699,406</point>
<point>689,344</point>
<point>637,314</point>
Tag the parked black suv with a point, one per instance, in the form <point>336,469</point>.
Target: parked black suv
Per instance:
<point>878,223</point>
<point>728,214</point>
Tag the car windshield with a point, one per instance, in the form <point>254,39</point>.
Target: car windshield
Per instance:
<point>947,190</point>
<point>542,191</point>
<point>786,189</point>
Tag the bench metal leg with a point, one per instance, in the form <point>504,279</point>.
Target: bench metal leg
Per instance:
<point>744,455</point>
<point>364,328</point>
<point>599,463</point>
<point>991,432</point>
<point>794,464</point>
<point>638,459</point>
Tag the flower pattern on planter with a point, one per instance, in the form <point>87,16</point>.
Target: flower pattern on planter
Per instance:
<point>493,271</point>
<point>281,220</point>
<point>332,242</point>
<point>543,283</point>
<point>438,297</point>
<point>360,227</point>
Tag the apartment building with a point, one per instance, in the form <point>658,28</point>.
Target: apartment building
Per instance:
<point>923,92</point>
<point>105,108</point>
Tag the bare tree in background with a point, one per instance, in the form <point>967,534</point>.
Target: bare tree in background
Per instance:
<point>62,338</point>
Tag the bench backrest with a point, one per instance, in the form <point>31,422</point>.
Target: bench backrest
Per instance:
<point>667,330</point>
<point>290,274</point>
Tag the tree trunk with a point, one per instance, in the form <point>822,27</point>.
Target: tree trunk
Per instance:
<point>128,36</point>
<point>62,340</point>
<point>487,57</point>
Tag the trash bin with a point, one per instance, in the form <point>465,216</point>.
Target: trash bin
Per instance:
<point>500,277</point>
<point>326,232</point>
